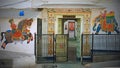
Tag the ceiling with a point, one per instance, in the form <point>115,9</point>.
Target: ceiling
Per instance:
<point>18,4</point>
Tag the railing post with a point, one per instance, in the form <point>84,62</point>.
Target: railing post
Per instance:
<point>115,42</point>
<point>53,49</point>
<point>92,46</point>
<point>82,48</point>
<point>67,46</point>
<point>35,44</point>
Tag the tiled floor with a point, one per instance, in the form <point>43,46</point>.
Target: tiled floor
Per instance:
<point>21,60</point>
<point>18,60</point>
<point>107,64</point>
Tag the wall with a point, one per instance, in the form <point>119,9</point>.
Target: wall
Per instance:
<point>5,15</point>
<point>111,5</point>
<point>14,13</point>
<point>44,21</point>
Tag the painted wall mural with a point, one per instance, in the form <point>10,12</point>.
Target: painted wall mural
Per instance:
<point>18,32</point>
<point>106,22</point>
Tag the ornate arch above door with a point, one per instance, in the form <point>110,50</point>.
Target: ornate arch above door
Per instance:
<point>54,12</point>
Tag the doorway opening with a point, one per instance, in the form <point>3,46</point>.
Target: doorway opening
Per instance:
<point>65,46</point>
<point>71,25</point>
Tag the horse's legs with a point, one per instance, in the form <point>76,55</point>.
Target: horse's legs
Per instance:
<point>31,37</point>
<point>28,41</point>
<point>4,44</point>
<point>2,36</point>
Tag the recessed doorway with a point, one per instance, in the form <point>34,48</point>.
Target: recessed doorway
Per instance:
<point>71,25</point>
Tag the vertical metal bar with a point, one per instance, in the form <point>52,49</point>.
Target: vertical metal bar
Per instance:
<point>55,47</point>
<point>92,46</point>
<point>35,44</point>
<point>35,48</point>
<point>67,46</point>
<point>106,41</point>
<point>119,42</point>
<point>53,50</point>
<point>115,43</point>
<point>82,48</point>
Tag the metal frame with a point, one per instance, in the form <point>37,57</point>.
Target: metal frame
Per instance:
<point>36,47</point>
<point>54,48</point>
<point>107,51</point>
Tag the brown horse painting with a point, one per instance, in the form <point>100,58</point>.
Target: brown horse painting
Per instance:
<point>17,33</point>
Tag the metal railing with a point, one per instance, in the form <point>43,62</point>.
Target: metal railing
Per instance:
<point>101,44</point>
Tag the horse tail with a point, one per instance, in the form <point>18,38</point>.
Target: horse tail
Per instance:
<point>2,35</point>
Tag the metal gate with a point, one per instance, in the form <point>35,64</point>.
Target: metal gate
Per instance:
<point>51,48</point>
<point>61,48</point>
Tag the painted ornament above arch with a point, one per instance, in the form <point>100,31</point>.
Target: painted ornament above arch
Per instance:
<point>61,10</point>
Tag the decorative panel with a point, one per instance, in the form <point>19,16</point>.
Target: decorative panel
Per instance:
<point>53,12</point>
<point>50,23</point>
<point>59,26</point>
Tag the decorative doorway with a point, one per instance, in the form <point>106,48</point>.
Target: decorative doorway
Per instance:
<point>71,21</point>
<point>81,18</point>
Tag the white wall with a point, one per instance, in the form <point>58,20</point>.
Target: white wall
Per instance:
<point>110,6</point>
<point>15,4</point>
<point>5,15</point>
<point>14,13</point>
<point>18,46</point>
